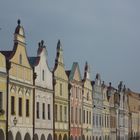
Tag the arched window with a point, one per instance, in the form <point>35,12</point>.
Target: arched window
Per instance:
<point>2,134</point>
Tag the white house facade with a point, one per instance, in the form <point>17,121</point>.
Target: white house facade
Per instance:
<point>97,108</point>
<point>43,95</point>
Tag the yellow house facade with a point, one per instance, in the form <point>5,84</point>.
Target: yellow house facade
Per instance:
<point>134,118</point>
<point>61,128</point>
<point>20,89</point>
<point>3,97</point>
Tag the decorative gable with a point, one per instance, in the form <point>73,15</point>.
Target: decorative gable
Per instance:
<point>75,72</point>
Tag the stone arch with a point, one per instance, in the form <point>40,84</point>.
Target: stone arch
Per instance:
<point>10,136</point>
<point>105,137</point>
<point>18,136</point>
<point>71,138</point>
<point>96,138</point>
<point>27,137</point>
<point>49,137</point>
<point>65,137</point>
<point>83,137</point>
<point>137,136</point>
<point>60,137</point>
<point>90,137</point>
<point>55,136</point>
<point>2,135</point>
<point>36,137</point>
<point>42,137</point>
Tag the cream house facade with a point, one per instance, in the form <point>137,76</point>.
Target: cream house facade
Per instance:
<point>3,97</point>
<point>61,97</point>
<point>20,89</point>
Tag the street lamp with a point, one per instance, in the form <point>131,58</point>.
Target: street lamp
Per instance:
<point>87,129</point>
<point>15,121</point>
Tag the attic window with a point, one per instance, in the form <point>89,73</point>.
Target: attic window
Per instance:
<point>20,59</point>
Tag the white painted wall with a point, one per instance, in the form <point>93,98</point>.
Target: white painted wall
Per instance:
<point>43,94</point>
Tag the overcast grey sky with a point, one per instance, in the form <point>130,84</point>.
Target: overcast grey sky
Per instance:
<point>106,33</point>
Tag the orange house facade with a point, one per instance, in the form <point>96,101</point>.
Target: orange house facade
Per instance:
<point>75,91</point>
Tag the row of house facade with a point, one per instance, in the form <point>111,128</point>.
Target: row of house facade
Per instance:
<point>43,104</point>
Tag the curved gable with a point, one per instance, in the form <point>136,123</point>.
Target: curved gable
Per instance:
<point>19,52</point>
<point>43,69</point>
<point>2,63</point>
<point>60,72</point>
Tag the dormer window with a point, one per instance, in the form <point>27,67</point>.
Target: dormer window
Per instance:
<point>20,59</point>
<point>43,74</point>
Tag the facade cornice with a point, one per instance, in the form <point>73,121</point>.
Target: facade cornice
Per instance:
<point>20,83</point>
<point>44,89</point>
<point>60,79</point>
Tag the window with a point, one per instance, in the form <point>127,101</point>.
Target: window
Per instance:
<point>108,121</point>
<point>55,112</point>
<point>93,120</point>
<point>12,105</point>
<point>37,110</point>
<point>105,120</point>
<point>84,116</point>
<point>72,114</point>
<point>65,113</point>
<point>76,92</point>
<point>27,107</point>
<point>87,117</point>
<point>43,74</point>
<point>72,91</point>
<point>100,120</point>
<point>0,100</point>
<point>97,120</point>
<point>61,113</point>
<point>20,106</point>
<point>76,115</point>
<point>60,89</point>
<point>111,121</point>
<point>139,107</point>
<point>20,59</point>
<point>43,110</point>
<point>49,113</point>
<point>87,96</point>
<point>79,93</point>
<point>80,115</point>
